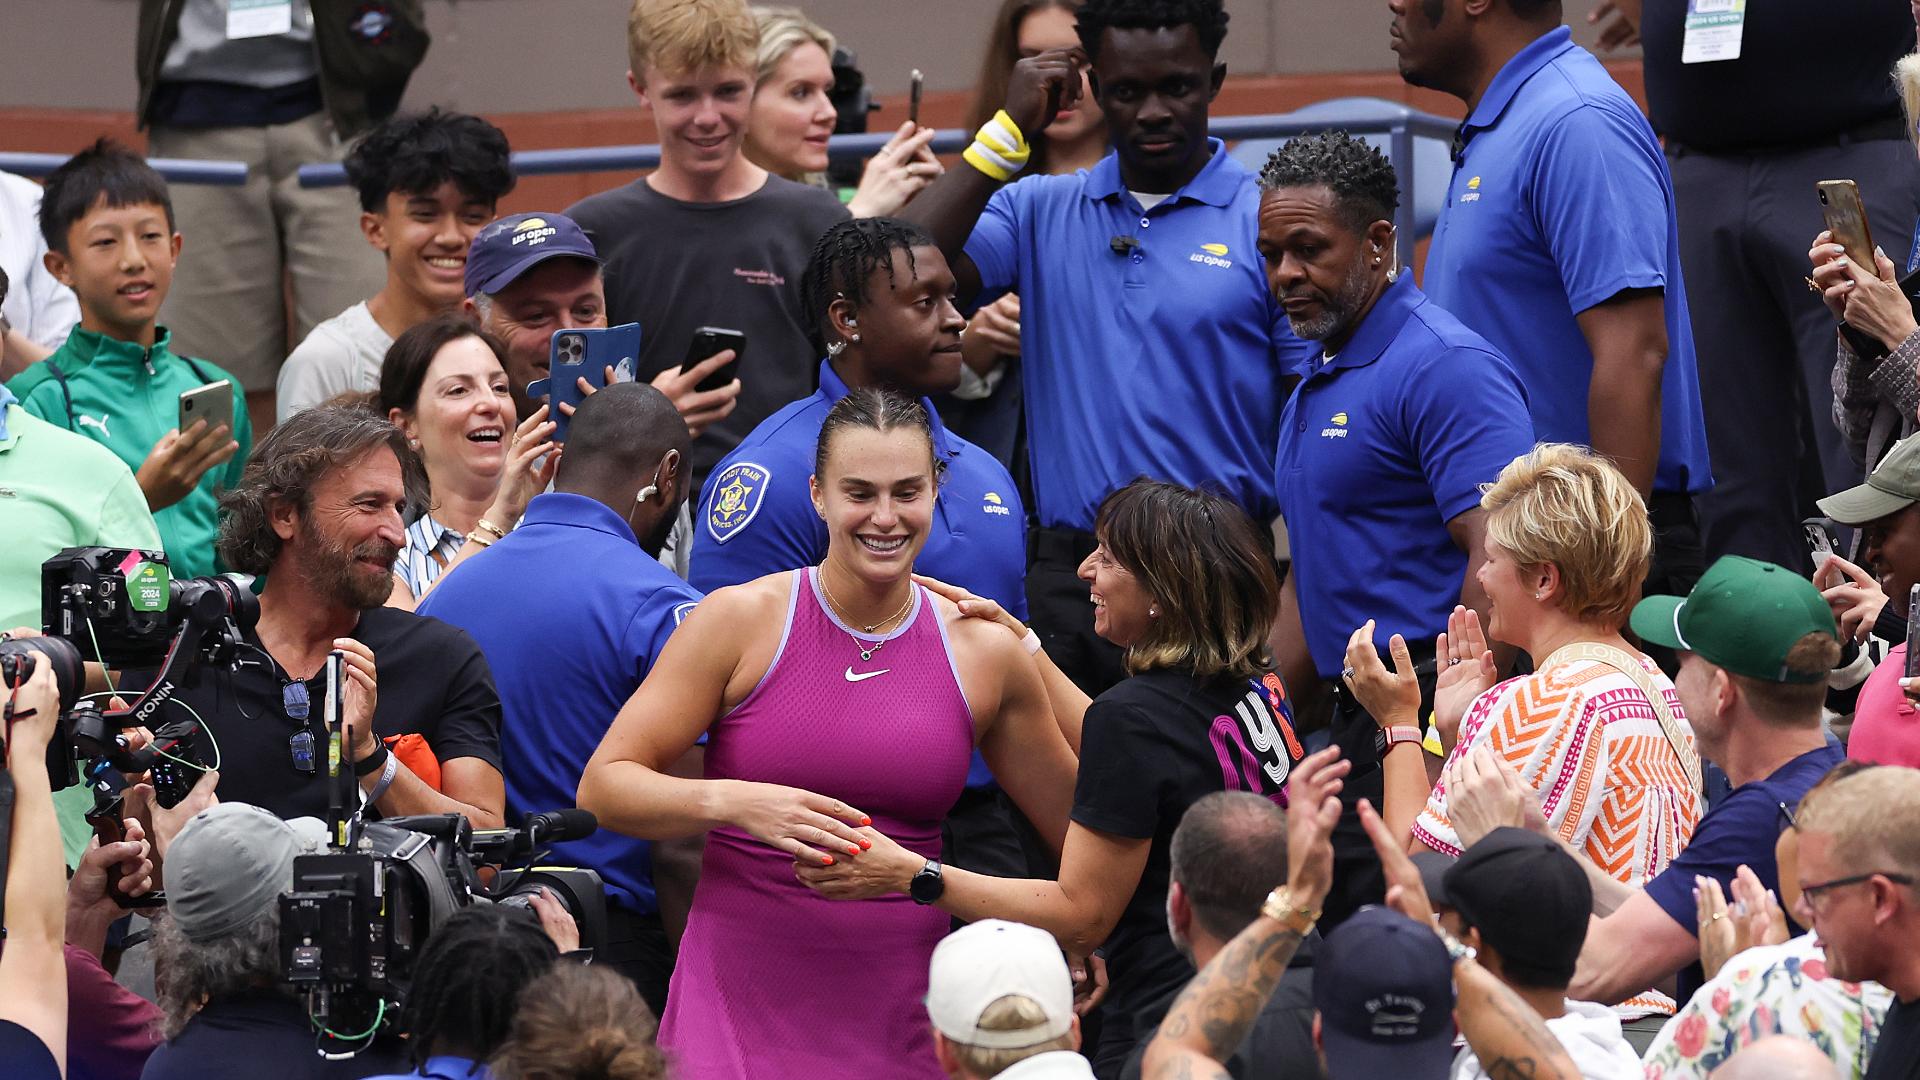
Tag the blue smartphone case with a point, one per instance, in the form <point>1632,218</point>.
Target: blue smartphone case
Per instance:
<point>585,354</point>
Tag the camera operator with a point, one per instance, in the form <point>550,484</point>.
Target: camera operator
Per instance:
<point>227,1016</point>
<point>466,989</point>
<point>33,979</point>
<point>318,513</point>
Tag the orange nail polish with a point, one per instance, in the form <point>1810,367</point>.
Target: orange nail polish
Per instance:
<point>826,860</point>
<point>866,845</point>
<point>853,851</point>
<point>865,820</point>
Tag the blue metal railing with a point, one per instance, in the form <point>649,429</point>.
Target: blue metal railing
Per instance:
<point>175,170</point>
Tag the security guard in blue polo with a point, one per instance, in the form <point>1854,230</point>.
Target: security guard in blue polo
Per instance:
<point>1383,448</point>
<point>1149,343</point>
<point>883,298</point>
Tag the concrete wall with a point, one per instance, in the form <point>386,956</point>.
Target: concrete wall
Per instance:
<point>517,56</point>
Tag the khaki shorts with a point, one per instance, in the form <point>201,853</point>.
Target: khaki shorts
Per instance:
<point>246,248</point>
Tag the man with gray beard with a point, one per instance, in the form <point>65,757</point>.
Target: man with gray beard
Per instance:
<point>1383,448</point>
<point>317,513</point>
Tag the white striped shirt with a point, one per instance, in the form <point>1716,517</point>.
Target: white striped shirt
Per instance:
<point>417,565</point>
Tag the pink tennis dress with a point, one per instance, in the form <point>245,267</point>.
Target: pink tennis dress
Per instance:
<point>774,981</point>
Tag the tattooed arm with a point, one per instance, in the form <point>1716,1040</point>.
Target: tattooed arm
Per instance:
<point>1214,1013</point>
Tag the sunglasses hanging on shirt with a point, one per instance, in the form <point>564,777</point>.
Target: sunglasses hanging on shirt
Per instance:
<point>296,704</point>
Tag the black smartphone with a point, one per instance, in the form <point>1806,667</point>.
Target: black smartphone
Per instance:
<point>913,97</point>
<point>708,340</point>
<point>1913,632</point>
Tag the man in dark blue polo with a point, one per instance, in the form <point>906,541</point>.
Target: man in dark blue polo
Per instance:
<point>1559,245</point>
<point>571,610</point>
<point>1150,344</point>
<point>1383,448</point>
<point>882,297</point>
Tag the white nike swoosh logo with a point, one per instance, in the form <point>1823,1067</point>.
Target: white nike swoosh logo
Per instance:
<point>851,677</point>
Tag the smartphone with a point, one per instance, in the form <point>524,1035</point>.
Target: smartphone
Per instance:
<point>587,354</point>
<point>1821,540</point>
<point>212,403</point>
<point>1913,632</point>
<point>1847,220</point>
<point>919,82</point>
<point>708,340</point>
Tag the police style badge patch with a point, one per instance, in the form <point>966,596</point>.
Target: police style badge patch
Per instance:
<point>738,493</point>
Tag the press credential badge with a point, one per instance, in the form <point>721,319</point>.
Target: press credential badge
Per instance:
<point>258,18</point>
<point>1713,30</point>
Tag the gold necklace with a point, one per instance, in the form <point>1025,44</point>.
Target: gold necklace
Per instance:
<point>867,648</point>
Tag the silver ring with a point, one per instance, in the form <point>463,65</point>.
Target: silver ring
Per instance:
<point>1452,660</point>
<point>1346,673</point>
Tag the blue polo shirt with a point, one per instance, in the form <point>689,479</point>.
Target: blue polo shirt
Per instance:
<point>571,615</point>
<point>1560,199</point>
<point>756,515</point>
<point>1164,361</point>
<point>1379,448</point>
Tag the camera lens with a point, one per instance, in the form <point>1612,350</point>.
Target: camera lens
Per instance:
<point>19,655</point>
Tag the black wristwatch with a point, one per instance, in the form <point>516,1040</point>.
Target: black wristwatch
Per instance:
<point>373,762</point>
<point>927,885</point>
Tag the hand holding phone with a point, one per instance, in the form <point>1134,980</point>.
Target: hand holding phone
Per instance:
<point>1821,542</point>
<point>1846,218</point>
<point>212,403</point>
<point>917,84</point>
<point>592,355</point>
<point>709,340</point>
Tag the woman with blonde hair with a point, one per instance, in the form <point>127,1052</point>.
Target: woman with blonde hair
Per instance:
<point>1596,730</point>
<point>792,117</point>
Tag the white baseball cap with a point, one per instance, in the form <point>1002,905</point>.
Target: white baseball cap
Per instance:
<point>979,964</point>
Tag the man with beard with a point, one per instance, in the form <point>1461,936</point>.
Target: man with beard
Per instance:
<point>317,512</point>
<point>572,609</point>
<point>1383,448</point>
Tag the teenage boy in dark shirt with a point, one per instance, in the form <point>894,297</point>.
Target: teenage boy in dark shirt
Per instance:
<point>709,238</point>
<point>108,224</point>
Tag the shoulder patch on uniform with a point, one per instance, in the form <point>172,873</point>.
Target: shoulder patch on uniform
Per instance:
<point>738,493</point>
<point>681,611</point>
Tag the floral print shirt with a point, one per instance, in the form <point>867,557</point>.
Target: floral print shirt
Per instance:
<point>1771,990</point>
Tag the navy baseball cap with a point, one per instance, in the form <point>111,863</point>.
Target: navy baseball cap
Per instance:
<point>513,245</point>
<point>1384,988</point>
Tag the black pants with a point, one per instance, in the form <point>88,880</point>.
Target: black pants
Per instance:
<point>1357,877</point>
<point>637,948</point>
<point>1764,343</point>
<point>1059,609</point>
<point>986,833</point>
<point>1678,561</point>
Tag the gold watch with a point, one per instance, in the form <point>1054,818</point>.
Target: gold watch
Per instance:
<point>1280,908</point>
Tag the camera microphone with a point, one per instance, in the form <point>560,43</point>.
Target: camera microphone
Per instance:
<point>568,824</point>
<point>1122,245</point>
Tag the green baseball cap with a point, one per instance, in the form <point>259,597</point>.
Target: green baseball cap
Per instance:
<point>1744,615</point>
<point>1893,486</point>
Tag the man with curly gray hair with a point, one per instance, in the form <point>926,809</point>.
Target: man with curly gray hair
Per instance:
<point>217,955</point>
<point>318,513</point>
<point>1403,414</point>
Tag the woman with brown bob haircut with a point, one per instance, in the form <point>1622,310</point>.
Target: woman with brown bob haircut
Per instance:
<point>1185,583</point>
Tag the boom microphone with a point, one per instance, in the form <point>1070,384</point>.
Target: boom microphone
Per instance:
<point>558,825</point>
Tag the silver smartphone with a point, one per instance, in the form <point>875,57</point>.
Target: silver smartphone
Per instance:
<point>212,403</point>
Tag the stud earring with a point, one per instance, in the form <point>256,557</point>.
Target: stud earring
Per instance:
<point>1152,612</point>
<point>856,337</point>
<point>1539,596</point>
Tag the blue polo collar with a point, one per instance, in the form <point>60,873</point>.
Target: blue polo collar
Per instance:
<point>449,1067</point>
<point>1506,85</point>
<point>833,388</point>
<point>1381,326</point>
<point>577,511</point>
<point>6,399</point>
<point>1216,184</point>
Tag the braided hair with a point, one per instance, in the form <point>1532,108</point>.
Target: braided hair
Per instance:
<point>845,258</point>
<point>467,985</point>
<point>1207,17</point>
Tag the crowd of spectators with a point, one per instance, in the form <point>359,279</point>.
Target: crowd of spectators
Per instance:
<point>1075,609</point>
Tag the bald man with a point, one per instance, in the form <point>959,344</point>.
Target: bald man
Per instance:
<point>1777,1057</point>
<point>571,610</point>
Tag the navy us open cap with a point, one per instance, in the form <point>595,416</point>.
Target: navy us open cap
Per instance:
<point>515,244</point>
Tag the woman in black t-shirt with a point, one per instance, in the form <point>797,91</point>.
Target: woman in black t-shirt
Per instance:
<point>1184,582</point>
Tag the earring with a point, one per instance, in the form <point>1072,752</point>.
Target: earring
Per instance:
<point>1539,596</point>
<point>413,444</point>
<point>1152,612</point>
<point>835,348</point>
<point>856,336</point>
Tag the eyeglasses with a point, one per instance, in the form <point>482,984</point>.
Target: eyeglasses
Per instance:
<point>1786,816</point>
<point>1814,892</point>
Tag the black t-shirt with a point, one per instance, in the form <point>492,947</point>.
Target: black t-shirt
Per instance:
<point>1897,1055</point>
<point>433,682</point>
<point>1280,1045</point>
<point>261,1034</point>
<point>1806,71</point>
<point>26,1057</point>
<point>674,266</point>
<point>1150,748</point>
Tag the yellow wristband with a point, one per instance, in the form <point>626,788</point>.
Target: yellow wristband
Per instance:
<point>999,148</point>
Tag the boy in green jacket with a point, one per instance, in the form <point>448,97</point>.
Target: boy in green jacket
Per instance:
<point>108,224</point>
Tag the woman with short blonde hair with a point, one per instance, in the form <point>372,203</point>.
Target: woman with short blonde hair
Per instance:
<point>1597,730</point>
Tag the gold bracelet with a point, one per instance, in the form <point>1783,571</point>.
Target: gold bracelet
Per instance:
<point>475,537</point>
<point>488,526</point>
<point>1279,907</point>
